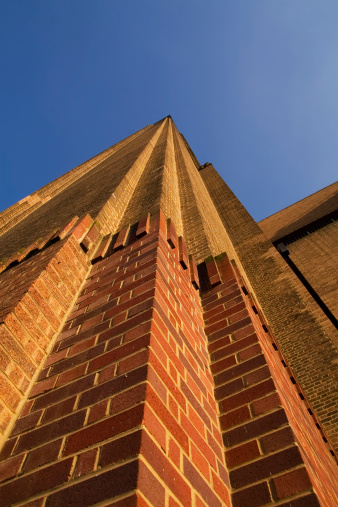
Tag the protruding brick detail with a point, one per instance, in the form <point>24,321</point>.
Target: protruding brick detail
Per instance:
<point>122,238</point>
<point>171,234</point>
<point>266,427</point>
<point>183,253</point>
<point>212,271</point>
<point>38,245</point>
<point>143,226</point>
<point>67,228</point>
<point>91,238</point>
<point>125,401</point>
<point>193,272</point>
<point>102,248</point>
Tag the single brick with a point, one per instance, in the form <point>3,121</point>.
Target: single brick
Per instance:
<point>11,467</point>
<point>43,386</point>
<point>122,238</point>
<point>171,234</point>
<point>58,410</point>
<point>277,440</point>
<point>42,455</point>
<point>121,449</point>
<point>85,463</point>
<point>26,422</point>
<point>292,482</point>
<point>143,226</point>
<point>194,278</point>
<point>183,253</point>
<point>242,453</point>
<point>264,404</point>
<point>128,398</point>
<point>254,496</point>
<point>73,373</point>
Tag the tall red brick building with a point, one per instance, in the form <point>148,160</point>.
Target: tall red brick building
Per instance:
<point>158,346</point>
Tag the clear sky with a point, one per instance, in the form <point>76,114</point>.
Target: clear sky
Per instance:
<point>252,85</point>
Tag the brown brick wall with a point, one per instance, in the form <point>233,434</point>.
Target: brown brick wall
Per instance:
<point>301,213</point>
<point>317,258</point>
<point>280,296</point>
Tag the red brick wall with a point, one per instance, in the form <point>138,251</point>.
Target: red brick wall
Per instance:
<point>124,408</point>
<point>274,451</point>
<point>130,409</point>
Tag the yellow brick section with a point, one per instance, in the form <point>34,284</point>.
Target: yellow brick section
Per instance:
<point>203,229</point>
<point>170,198</point>
<point>112,216</point>
<point>148,191</point>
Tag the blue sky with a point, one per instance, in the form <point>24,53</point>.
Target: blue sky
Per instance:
<point>252,85</point>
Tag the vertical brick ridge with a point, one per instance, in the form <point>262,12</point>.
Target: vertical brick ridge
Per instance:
<point>111,216</point>
<point>27,205</point>
<point>279,295</point>
<point>124,404</point>
<point>148,192</point>
<point>202,228</point>
<point>44,287</point>
<point>270,457</point>
<point>170,202</point>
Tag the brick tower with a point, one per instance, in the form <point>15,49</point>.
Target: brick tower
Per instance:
<point>158,346</point>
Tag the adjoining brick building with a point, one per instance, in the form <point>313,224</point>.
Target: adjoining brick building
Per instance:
<point>158,346</point>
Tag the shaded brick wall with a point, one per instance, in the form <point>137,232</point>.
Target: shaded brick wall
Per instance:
<point>301,213</point>
<point>316,257</point>
<point>274,450</point>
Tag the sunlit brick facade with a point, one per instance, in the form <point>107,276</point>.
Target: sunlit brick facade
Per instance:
<point>158,346</point>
